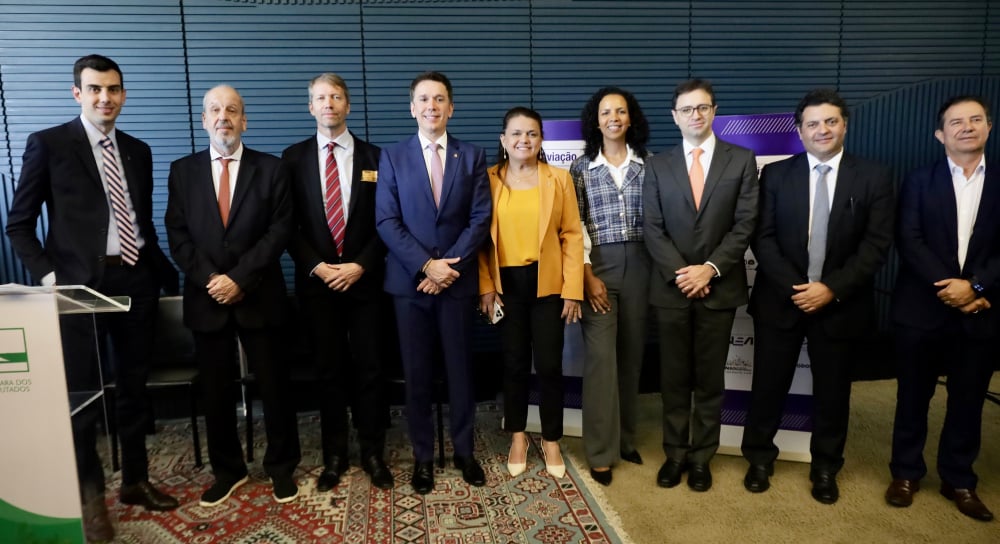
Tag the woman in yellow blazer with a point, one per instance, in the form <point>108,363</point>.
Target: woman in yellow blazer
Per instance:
<point>534,262</point>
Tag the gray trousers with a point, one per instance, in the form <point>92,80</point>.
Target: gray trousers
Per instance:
<point>614,345</point>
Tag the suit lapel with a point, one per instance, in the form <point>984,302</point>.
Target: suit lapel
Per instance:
<point>85,152</point>
<point>720,159</point>
<point>943,195</point>
<point>799,198</point>
<point>989,207</point>
<point>243,180</point>
<point>843,196</point>
<point>310,175</point>
<point>678,167</point>
<point>451,166</point>
<point>417,165</point>
<point>546,195</point>
<point>355,181</point>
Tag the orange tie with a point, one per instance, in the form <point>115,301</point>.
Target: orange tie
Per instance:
<point>224,191</point>
<point>697,176</point>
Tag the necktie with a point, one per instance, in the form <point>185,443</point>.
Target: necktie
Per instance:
<point>224,191</point>
<point>697,176</point>
<point>820,220</point>
<point>116,190</point>
<point>334,200</point>
<point>437,173</point>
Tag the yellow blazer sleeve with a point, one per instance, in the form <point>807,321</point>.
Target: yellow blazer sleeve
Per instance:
<point>570,239</point>
<point>489,269</point>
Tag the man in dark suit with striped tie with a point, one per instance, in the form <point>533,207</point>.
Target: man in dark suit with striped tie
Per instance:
<point>96,183</point>
<point>339,269</point>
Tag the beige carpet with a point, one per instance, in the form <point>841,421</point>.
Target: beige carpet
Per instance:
<point>787,512</point>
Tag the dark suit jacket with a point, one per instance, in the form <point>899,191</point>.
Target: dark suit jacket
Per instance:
<point>860,227</point>
<point>59,172</point>
<point>414,230</point>
<point>927,242</point>
<point>677,234</point>
<point>248,249</point>
<point>312,243</point>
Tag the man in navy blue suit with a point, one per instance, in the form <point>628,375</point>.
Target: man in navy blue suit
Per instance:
<point>948,238</point>
<point>432,210</point>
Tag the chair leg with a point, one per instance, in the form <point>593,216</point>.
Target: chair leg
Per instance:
<point>195,435</point>
<point>248,410</point>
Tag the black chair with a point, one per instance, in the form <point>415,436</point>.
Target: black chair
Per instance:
<point>173,365</point>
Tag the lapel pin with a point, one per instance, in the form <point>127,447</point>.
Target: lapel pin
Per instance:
<point>455,156</point>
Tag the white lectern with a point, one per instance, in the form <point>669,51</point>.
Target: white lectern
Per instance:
<point>39,498</point>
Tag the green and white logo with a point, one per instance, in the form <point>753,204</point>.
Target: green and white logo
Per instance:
<point>13,351</point>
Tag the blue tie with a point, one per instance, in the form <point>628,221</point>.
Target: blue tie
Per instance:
<point>820,219</point>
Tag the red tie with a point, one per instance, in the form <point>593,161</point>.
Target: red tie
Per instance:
<point>224,191</point>
<point>334,201</point>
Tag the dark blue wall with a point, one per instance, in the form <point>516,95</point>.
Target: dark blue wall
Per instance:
<point>893,61</point>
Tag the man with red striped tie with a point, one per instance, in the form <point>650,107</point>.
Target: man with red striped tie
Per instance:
<point>339,269</point>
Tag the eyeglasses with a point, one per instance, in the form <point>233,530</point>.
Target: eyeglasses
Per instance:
<point>703,109</point>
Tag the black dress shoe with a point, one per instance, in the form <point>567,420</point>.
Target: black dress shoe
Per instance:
<point>147,496</point>
<point>333,469</point>
<point>378,471</point>
<point>472,473</point>
<point>968,502</point>
<point>756,480</point>
<point>423,477</point>
<point>632,457</point>
<point>602,477</point>
<point>670,473</point>
<point>699,477</point>
<point>825,488</point>
<point>900,492</point>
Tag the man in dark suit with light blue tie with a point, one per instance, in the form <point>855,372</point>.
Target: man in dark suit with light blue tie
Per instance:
<point>96,184</point>
<point>948,239</point>
<point>815,286</point>
<point>432,211</point>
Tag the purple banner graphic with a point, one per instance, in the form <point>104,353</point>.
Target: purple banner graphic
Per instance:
<point>766,133</point>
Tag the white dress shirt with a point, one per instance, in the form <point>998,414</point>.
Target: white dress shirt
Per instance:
<point>968,193</point>
<point>233,166</point>
<point>442,153</point>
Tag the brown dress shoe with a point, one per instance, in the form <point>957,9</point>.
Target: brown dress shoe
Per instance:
<point>96,523</point>
<point>968,502</point>
<point>145,495</point>
<point>900,492</point>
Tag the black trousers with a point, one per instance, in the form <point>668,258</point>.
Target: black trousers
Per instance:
<point>129,335</point>
<point>217,360</point>
<point>967,362</point>
<point>531,329</point>
<point>776,354</point>
<point>346,335</point>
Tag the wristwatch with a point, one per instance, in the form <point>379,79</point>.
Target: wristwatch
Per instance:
<point>976,285</point>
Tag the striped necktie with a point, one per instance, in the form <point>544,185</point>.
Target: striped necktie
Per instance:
<point>116,190</point>
<point>334,200</point>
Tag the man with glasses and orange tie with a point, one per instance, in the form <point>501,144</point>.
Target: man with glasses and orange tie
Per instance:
<point>700,208</point>
<point>229,219</point>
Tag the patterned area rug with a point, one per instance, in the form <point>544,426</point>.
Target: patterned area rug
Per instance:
<point>534,507</point>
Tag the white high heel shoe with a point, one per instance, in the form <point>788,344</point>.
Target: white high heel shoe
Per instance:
<point>516,469</point>
<point>557,471</point>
